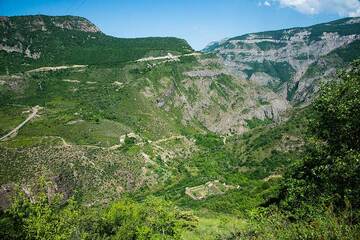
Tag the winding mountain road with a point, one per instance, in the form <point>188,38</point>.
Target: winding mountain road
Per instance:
<point>33,114</point>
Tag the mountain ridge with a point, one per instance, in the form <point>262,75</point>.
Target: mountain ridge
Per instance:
<point>288,61</point>
<point>224,40</point>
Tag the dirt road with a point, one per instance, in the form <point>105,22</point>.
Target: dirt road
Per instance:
<point>33,114</point>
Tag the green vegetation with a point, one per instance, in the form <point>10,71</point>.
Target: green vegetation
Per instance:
<point>281,70</point>
<point>318,198</point>
<point>254,123</point>
<point>121,153</point>
<point>49,218</point>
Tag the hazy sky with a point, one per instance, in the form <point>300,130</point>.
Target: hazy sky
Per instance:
<point>197,21</point>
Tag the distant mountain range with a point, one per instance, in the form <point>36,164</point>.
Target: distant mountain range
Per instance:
<point>292,62</point>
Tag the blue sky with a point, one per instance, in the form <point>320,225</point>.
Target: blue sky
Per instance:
<point>197,21</point>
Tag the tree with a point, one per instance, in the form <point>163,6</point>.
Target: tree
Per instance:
<point>337,120</point>
<point>330,169</point>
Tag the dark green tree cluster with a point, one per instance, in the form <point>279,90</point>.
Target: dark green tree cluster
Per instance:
<point>330,170</point>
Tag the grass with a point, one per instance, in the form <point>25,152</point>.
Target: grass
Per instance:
<point>214,225</point>
<point>11,116</point>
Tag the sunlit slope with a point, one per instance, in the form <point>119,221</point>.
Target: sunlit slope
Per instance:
<point>29,41</point>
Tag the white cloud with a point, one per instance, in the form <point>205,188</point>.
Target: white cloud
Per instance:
<point>349,8</point>
<point>266,3</point>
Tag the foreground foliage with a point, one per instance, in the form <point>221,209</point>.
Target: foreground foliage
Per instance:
<point>44,217</point>
<point>330,168</point>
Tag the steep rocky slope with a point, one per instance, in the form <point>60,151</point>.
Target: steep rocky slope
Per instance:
<point>292,62</point>
<point>219,101</point>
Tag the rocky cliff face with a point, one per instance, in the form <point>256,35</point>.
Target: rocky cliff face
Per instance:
<point>291,62</point>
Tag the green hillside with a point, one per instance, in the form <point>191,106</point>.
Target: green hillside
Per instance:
<point>72,44</point>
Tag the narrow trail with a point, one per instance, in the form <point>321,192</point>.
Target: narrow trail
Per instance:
<point>47,69</point>
<point>33,114</point>
<point>167,57</point>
